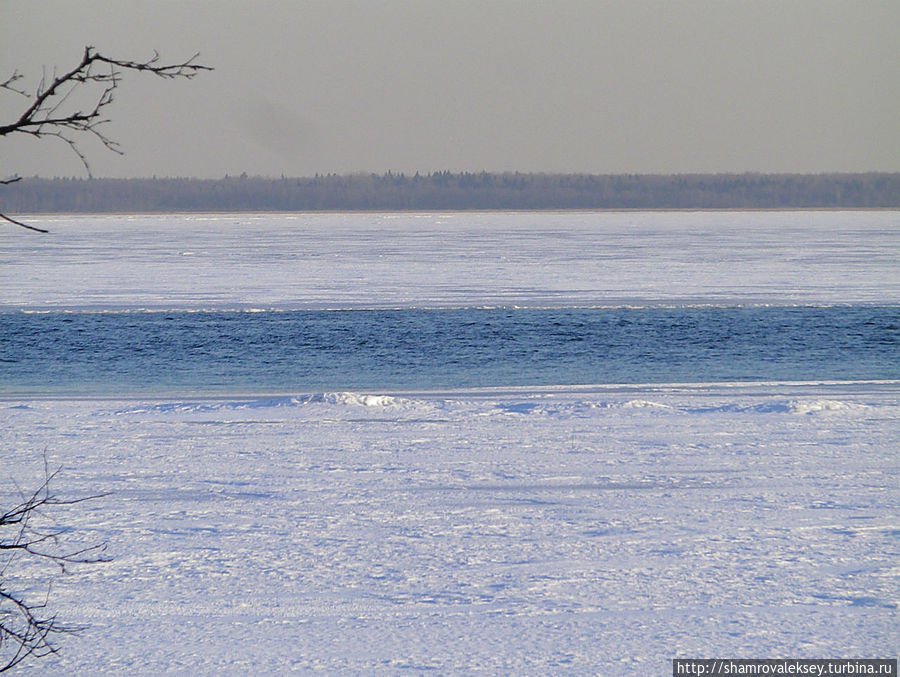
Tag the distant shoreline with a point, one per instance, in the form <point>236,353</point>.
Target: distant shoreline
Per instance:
<point>635,210</point>
<point>455,192</point>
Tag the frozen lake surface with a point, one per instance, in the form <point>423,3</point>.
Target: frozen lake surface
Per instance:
<point>586,528</point>
<point>304,261</point>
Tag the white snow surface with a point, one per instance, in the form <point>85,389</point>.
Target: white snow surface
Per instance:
<point>586,530</point>
<point>299,261</point>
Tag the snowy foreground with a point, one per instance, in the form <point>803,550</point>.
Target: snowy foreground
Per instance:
<point>581,530</point>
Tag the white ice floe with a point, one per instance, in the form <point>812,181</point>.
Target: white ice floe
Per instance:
<point>817,406</point>
<point>552,403</point>
<point>644,404</point>
<point>353,399</point>
<point>336,399</point>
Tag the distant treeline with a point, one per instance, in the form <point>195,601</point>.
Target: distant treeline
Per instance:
<point>455,191</point>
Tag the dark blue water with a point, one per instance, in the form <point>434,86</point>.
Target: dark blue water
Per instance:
<point>119,353</point>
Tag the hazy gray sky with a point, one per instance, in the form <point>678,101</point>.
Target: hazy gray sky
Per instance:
<point>593,86</point>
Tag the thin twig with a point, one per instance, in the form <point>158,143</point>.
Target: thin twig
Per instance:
<point>26,626</point>
<point>23,225</point>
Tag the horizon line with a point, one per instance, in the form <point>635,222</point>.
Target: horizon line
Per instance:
<point>393,173</point>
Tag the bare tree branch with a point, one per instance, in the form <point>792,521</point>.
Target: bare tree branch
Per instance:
<point>42,117</point>
<point>27,628</point>
<point>6,182</point>
<point>23,225</point>
<point>53,115</point>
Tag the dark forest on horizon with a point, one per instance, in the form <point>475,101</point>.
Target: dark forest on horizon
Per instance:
<point>454,191</point>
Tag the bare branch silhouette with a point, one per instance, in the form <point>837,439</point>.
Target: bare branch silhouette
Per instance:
<point>27,627</point>
<point>54,114</point>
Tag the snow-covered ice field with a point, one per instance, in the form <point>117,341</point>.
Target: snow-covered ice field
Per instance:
<point>595,529</point>
<point>451,260</point>
<point>590,531</point>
